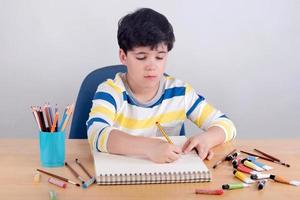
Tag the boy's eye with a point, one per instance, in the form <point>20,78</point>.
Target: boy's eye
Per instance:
<point>159,58</point>
<point>140,58</point>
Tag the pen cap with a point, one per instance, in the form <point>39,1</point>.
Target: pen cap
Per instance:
<point>225,187</point>
<point>52,149</point>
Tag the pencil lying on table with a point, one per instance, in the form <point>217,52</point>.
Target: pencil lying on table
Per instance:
<point>272,157</point>
<point>59,177</point>
<point>265,158</point>
<point>74,172</point>
<point>224,159</point>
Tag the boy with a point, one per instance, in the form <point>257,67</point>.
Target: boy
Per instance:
<point>125,110</point>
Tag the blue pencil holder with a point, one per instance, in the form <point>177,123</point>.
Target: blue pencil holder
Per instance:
<point>52,149</point>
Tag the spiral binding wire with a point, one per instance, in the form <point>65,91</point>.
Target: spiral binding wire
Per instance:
<point>153,178</point>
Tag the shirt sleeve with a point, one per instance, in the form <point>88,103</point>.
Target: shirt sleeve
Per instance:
<point>101,117</point>
<point>204,115</point>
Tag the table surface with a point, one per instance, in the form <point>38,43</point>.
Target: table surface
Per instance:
<point>20,158</point>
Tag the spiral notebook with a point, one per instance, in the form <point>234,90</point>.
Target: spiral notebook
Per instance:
<point>117,169</point>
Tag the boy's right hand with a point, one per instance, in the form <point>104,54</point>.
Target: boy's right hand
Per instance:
<point>160,151</point>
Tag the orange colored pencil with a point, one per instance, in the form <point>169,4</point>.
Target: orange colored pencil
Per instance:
<point>54,122</point>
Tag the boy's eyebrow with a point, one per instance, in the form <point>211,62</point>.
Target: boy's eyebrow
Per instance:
<point>141,52</point>
<point>144,53</point>
<point>162,52</point>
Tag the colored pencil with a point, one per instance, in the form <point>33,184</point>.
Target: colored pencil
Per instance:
<point>163,133</point>
<point>59,177</point>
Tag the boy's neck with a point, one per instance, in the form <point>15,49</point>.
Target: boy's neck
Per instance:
<point>142,94</point>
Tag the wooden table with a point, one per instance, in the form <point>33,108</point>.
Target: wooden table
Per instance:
<point>20,158</point>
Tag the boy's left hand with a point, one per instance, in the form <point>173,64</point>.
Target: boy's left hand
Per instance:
<point>201,144</point>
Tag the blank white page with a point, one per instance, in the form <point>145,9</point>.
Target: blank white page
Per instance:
<point>110,164</point>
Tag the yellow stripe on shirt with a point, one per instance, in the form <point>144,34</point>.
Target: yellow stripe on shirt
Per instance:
<point>131,123</point>
<point>92,139</point>
<point>226,127</point>
<point>103,110</point>
<point>206,112</point>
<point>114,86</point>
<point>101,141</point>
<point>188,89</point>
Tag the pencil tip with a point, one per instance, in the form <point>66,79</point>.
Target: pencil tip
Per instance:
<point>77,184</point>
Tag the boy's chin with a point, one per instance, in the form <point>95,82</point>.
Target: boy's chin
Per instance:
<point>152,85</point>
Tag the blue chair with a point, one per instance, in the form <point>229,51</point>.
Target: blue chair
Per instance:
<point>86,95</point>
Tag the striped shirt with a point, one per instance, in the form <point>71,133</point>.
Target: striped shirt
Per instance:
<point>114,107</point>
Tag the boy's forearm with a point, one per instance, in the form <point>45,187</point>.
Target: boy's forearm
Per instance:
<point>215,136</point>
<point>120,142</point>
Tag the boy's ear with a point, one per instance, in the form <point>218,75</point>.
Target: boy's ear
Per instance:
<point>122,56</point>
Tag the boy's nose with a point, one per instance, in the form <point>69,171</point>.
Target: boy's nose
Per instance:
<point>150,66</point>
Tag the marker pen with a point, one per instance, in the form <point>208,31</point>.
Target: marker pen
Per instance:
<point>259,176</point>
<point>259,164</point>
<point>251,165</point>
<point>283,180</point>
<point>242,177</point>
<point>261,184</point>
<point>233,186</point>
<point>245,169</point>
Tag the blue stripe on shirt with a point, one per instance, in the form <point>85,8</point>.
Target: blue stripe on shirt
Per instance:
<point>224,116</point>
<point>98,138</point>
<point>96,119</point>
<point>127,98</point>
<point>106,97</point>
<point>168,94</point>
<point>199,100</point>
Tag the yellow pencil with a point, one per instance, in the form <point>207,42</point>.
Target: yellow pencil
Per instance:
<point>163,133</point>
<point>69,113</point>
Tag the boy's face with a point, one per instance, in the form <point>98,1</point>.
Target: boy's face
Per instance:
<point>145,66</point>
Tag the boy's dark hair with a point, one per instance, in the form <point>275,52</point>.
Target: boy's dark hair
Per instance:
<point>144,27</point>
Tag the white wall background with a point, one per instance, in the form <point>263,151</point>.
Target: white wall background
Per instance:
<point>243,56</point>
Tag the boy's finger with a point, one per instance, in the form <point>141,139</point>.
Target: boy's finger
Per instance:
<point>177,150</point>
<point>202,153</point>
<point>186,144</point>
<point>210,155</point>
<point>189,147</point>
<point>174,156</point>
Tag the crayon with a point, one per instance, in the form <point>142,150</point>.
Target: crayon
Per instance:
<point>57,182</point>
<point>52,195</point>
<point>36,177</point>
<point>210,192</point>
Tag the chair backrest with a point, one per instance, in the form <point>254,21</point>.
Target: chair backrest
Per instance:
<point>86,95</point>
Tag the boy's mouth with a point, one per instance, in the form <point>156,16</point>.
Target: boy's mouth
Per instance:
<point>150,77</point>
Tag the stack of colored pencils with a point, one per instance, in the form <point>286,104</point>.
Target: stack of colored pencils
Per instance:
<point>48,121</point>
